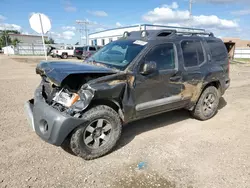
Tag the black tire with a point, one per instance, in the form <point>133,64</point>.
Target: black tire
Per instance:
<point>66,146</point>
<point>200,111</point>
<point>79,58</point>
<point>64,56</point>
<point>77,141</point>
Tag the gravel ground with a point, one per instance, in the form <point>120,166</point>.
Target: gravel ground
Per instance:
<point>178,151</point>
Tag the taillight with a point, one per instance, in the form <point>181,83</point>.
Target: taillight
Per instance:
<point>56,51</point>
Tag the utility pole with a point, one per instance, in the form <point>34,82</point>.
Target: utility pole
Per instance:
<point>84,24</point>
<point>81,35</point>
<point>190,8</point>
<point>6,41</point>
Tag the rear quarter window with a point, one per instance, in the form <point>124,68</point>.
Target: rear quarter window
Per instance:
<point>218,50</point>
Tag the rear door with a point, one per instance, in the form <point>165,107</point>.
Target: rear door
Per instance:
<point>195,68</point>
<point>92,50</point>
<point>85,51</point>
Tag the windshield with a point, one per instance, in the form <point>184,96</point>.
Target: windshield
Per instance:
<point>118,53</point>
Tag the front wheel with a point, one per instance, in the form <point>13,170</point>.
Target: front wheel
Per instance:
<point>99,135</point>
<point>207,104</point>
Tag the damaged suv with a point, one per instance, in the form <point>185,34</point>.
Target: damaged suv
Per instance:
<point>83,106</point>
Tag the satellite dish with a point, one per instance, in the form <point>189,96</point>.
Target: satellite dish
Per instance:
<point>40,23</point>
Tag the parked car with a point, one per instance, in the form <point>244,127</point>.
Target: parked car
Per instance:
<point>65,53</point>
<point>78,52</point>
<point>51,51</point>
<point>82,107</point>
<point>89,51</point>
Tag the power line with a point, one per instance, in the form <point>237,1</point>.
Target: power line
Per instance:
<point>84,24</point>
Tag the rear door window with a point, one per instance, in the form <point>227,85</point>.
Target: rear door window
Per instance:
<point>193,53</point>
<point>218,50</point>
<point>91,48</point>
<point>79,48</point>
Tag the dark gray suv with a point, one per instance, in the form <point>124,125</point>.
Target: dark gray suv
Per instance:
<point>89,51</point>
<point>82,107</point>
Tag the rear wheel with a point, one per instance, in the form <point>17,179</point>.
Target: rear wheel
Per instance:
<point>64,56</point>
<point>99,135</point>
<point>207,104</point>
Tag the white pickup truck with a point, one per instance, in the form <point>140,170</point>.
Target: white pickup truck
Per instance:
<point>64,53</point>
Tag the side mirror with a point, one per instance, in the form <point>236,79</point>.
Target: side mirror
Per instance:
<point>148,67</point>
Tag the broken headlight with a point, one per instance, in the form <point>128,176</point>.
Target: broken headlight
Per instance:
<point>66,98</point>
<point>85,98</point>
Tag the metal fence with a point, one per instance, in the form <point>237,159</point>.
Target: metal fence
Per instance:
<point>29,49</point>
<point>242,53</point>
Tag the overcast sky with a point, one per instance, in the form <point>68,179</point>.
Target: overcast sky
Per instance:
<point>223,17</point>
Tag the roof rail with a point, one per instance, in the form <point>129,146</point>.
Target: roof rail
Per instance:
<point>210,34</point>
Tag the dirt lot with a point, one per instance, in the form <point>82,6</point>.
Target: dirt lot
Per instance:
<point>178,151</point>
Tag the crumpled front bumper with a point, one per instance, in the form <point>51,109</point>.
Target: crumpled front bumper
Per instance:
<point>49,124</point>
<point>28,109</point>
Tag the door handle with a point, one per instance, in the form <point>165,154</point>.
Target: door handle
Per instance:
<point>175,78</point>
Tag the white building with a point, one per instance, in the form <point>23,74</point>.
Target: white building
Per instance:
<point>104,37</point>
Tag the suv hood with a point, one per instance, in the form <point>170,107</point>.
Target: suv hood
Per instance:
<point>58,71</point>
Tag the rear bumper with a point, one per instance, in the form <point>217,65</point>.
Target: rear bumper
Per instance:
<point>85,56</point>
<point>226,85</point>
<point>78,55</point>
<point>49,124</point>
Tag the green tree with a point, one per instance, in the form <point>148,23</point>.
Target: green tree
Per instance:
<point>50,41</point>
<point>15,41</point>
<point>5,38</point>
<point>12,31</point>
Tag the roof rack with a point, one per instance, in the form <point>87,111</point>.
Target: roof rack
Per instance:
<point>210,34</point>
<point>153,34</point>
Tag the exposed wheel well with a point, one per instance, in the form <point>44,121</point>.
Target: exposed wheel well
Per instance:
<point>215,84</point>
<point>111,103</point>
<point>106,102</point>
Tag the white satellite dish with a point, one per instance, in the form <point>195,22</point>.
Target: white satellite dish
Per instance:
<point>40,23</point>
